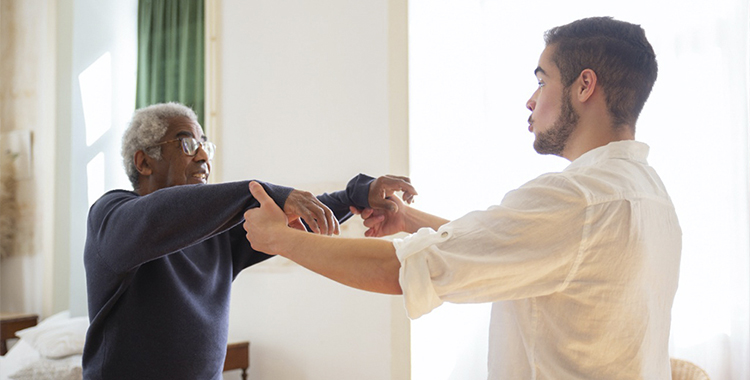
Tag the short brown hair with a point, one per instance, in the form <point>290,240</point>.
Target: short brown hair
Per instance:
<point>620,55</point>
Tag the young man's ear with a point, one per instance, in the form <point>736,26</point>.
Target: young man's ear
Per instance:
<point>586,83</point>
<point>142,163</point>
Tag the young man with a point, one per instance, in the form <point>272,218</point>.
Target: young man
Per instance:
<point>160,260</point>
<point>581,265</point>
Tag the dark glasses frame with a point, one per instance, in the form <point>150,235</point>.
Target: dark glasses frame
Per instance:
<point>190,146</point>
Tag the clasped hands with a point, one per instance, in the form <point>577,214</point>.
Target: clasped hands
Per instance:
<point>268,223</point>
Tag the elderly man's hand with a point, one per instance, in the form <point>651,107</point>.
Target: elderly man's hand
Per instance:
<point>382,189</point>
<point>303,204</point>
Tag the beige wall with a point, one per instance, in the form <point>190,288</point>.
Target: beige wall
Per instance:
<point>46,44</point>
<point>27,107</point>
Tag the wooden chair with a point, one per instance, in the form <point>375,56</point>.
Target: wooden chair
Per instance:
<point>238,357</point>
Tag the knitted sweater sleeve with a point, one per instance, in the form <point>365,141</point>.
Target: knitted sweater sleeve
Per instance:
<point>126,230</point>
<point>356,194</point>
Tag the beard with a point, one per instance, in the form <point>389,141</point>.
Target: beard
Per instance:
<point>553,140</point>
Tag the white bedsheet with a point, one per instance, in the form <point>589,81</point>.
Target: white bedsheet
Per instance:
<point>50,350</point>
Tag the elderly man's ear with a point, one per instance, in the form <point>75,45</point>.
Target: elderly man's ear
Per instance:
<point>142,163</point>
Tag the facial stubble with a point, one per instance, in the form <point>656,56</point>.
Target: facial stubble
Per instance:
<point>553,140</point>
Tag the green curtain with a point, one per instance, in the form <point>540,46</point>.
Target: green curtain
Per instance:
<point>171,53</point>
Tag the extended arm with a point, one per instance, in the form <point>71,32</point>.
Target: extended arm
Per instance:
<point>367,264</point>
<point>125,229</point>
<point>365,192</point>
<point>382,222</point>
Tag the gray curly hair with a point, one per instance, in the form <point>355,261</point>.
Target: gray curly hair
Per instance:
<point>148,126</point>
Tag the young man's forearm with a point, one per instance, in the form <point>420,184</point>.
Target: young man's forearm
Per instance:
<point>415,219</point>
<point>367,264</point>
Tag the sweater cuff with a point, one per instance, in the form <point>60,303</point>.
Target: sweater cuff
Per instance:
<point>358,190</point>
<point>278,193</point>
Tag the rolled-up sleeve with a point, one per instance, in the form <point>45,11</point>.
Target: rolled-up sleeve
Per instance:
<point>414,275</point>
<point>527,246</point>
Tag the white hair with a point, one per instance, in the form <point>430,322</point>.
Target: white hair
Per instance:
<point>148,126</point>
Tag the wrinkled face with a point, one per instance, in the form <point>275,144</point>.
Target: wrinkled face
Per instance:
<point>176,168</point>
<point>553,118</point>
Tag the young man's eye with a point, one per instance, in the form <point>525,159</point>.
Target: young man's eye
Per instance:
<point>541,84</point>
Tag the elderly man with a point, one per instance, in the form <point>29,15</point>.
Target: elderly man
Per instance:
<point>160,260</point>
<point>581,265</point>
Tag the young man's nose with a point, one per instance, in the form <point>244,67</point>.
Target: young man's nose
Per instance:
<point>531,104</point>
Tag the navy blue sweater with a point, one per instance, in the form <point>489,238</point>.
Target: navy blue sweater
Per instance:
<point>159,270</point>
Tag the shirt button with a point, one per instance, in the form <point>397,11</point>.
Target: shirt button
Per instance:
<point>444,234</point>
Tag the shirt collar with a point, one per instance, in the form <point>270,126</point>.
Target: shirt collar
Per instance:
<point>624,149</point>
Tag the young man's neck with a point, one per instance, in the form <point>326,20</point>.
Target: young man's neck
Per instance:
<point>588,136</point>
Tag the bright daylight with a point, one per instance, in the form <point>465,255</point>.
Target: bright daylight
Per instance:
<point>374,190</point>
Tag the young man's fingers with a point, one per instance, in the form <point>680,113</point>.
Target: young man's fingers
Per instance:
<point>259,193</point>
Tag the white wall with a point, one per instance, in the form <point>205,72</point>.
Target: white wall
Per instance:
<point>306,101</point>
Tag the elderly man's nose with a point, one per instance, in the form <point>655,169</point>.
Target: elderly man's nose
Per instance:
<point>201,154</point>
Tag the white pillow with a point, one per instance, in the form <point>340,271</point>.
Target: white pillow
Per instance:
<point>57,336</point>
<point>51,369</point>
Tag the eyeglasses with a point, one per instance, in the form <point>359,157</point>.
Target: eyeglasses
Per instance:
<point>190,146</point>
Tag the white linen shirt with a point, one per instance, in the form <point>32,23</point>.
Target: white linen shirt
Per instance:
<point>582,267</point>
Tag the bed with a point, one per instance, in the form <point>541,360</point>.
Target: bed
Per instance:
<point>53,349</point>
<point>49,350</point>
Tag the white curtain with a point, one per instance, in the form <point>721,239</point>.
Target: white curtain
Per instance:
<point>471,68</point>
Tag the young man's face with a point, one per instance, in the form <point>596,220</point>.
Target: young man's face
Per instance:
<point>553,118</point>
<point>176,168</point>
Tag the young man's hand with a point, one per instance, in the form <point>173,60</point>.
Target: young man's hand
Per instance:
<point>382,222</point>
<point>265,224</point>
